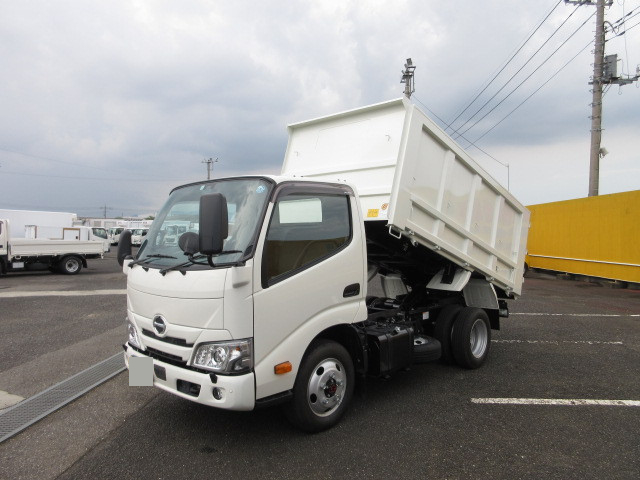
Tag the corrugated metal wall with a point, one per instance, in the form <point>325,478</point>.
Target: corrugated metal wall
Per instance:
<point>594,236</point>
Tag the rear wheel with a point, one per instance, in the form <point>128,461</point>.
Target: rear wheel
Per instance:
<point>70,265</point>
<point>324,387</point>
<point>471,337</point>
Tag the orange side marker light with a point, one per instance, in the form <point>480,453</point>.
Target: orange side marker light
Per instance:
<point>283,368</point>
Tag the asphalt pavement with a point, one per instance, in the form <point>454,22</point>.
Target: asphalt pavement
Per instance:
<point>568,341</point>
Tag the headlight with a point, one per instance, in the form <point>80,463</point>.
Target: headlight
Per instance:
<point>225,357</point>
<point>133,335</point>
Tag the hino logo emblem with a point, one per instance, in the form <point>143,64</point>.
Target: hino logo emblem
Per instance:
<point>159,325</point>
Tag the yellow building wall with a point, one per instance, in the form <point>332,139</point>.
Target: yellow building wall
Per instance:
<point>594,236</point>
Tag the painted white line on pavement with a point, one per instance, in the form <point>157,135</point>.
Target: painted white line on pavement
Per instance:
<point>575,314</point>
<point>58,293</point>
<point>556,401</point>
<point>561,342</point>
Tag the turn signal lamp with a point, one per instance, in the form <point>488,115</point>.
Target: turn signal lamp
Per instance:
<point>282,368</point>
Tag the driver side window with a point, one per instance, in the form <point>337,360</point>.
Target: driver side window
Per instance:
<point>304,230</point>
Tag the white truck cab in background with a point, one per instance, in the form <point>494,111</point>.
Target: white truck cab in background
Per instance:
<point>114,234</point>
<point>262,296</point>
<point>137,236</point>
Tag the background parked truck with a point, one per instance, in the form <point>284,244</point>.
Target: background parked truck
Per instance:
<point>63,256</point>
<point>264,298</point>
<point>23,221</point>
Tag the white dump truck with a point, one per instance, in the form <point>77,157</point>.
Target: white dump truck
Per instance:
<point>264,298</point>
<point>63,256</point>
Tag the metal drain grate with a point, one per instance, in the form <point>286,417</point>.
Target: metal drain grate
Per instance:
<point>29,411</point>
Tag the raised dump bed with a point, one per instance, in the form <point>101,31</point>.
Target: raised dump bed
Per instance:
<point>411,174</point>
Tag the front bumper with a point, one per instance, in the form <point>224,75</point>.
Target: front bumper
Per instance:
<point>238,392</point>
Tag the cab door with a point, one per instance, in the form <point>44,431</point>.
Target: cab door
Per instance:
<point>312,276</point>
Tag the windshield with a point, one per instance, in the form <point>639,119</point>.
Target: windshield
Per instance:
<point>246,200</point>
<point>100,232</point>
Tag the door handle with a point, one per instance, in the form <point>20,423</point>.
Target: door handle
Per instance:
<point>351,290</point>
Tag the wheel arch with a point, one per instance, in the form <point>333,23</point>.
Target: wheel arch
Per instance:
<point>481,294</point>
<point>349,337</point>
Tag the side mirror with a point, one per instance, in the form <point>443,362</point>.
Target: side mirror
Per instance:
<point>124,246</point>
<point>188,243</point>
<point>214,224</point>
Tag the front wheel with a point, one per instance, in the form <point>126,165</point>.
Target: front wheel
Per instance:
<point>324,387</point>
<point>471,337</point>
<point>70,265</point>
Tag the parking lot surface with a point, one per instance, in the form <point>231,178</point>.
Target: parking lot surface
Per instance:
<point>558,398</point>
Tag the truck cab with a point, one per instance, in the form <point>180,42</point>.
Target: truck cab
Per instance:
<point>138,235</point>
<point>114,235</point>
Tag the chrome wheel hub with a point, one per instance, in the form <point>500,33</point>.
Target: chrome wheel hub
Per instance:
<point>326,387</point>
<point>479,338</point>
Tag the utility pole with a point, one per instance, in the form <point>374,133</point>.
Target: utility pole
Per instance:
<point>596,102</point>
<point>209,162</point>
<point>604,73</point>
<point>104,210</point>
<point>407,78</point>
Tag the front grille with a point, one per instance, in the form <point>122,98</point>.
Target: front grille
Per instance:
<point>181,342</point>
<point>166,357</point>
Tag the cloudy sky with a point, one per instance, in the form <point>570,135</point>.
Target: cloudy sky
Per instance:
<point>111,104</point>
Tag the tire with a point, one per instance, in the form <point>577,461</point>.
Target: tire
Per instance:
<point>471,337</point>
<point>426,349</point>
<point>70,265</point>
<point>323,388</point>
<point>443,331</point>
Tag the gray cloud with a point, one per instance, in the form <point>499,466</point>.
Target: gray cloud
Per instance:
<point>115,103</point>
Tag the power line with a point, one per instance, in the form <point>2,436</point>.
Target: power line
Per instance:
<point>625,17</point>
<point>101,179</point>
<point>505,65</point>
<point>515,74</point>
<point>22,206</point>
<point>528,77</point>
<point>470,142</point>
<point>64,162</point>
<point>624,31</point>
<point>533,93</point>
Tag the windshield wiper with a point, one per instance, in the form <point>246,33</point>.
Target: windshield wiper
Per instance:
<point>193,261</point>
<point>188,263</point>
<point>157,255</point>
